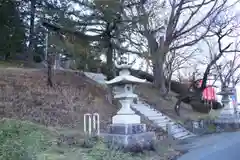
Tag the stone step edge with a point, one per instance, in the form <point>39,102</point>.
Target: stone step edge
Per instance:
<point>182,129</point>
<point>148,108</point>
<point>164,124</point>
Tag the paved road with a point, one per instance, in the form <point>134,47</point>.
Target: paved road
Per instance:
<point>224,146</point>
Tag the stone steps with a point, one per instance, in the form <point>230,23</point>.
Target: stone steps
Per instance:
<point>162,121</point>
<point>98,77</point>
<point>156,118</point>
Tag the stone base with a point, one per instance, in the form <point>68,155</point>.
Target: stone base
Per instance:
<point>227,112</point>
<point>129,137</point>
<point>126,128</point>
<point>228,126</point>
<point>131,142</point>
<point>228,120</point>
<point>126,119</point>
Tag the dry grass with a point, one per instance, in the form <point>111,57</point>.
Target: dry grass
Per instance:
<point>24,95</point>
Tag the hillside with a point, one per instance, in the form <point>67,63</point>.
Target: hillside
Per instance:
<point>24,95</point>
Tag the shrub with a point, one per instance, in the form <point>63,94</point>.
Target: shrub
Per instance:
<point>22,140</point>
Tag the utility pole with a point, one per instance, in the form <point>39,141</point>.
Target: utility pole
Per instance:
<point>46,45</point>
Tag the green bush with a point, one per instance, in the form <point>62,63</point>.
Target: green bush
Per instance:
<point>22,140</point>
<point>101,152</point>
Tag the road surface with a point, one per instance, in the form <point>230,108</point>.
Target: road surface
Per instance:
<point>224,146</point>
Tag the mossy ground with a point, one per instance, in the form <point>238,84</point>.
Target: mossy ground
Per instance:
<point>23,140</point>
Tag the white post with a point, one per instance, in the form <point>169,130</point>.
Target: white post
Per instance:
<point>96,123</point>
<point>237,87</point>
<point>169,129</point>
<point>89,123</point>
<point>93,123</point>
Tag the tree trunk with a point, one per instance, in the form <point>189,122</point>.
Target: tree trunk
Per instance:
<point>50,60</point>
<point>158,73</point>
<point>157,52</point>
<point>110,63</point>
<point>31,32</point>
<point>168,89</point>
<point>110,94</point>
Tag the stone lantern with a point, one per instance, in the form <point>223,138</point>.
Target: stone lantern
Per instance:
<point>227,114</point>
<point>228,109</point>
<point>127,131</point>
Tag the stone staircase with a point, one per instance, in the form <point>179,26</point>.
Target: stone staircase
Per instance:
<point>98,77</point>
<point>159,119</point>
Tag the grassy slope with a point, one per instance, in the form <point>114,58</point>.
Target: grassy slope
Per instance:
<point>147,92</point>
<point>24,95</point>
<point>22,140</point>
<point>41,116</point>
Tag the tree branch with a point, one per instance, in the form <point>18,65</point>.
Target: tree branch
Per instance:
<point>63,30</point>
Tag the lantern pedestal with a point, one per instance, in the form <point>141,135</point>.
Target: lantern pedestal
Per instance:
<point>126,115</point>
<point>126,131</point>
<point>228,109</point>
<point>136,142</point>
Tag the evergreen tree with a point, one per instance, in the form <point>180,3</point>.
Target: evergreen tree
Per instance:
<point>11,30</point>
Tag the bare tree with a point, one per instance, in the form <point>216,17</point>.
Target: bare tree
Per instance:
<point>177,60</point>
<point>188,74</point>
<point>161,29</point>
<point>222,28</point>
<point>229,71</point>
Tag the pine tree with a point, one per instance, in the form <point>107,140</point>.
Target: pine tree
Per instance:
<point>11,30</point>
